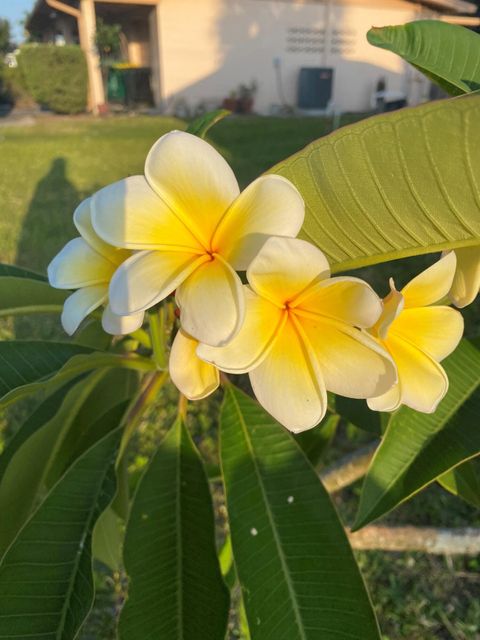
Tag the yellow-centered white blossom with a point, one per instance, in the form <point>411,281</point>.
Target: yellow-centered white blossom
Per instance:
<point>304,333</point>
<point>418,337</point>
<point>87,264</point>
<point>195,378</point>
<point>466,282</point>
<point>192,229</point>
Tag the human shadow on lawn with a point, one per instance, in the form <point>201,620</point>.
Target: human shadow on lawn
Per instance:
<point>46,227</point>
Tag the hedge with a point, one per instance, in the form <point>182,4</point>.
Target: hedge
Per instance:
<point>56,77</point>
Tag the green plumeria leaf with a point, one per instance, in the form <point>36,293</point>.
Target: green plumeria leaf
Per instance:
<point>316,442</point>
<point>92,334</point>
<point>10,270</point>
<point>200,126</point>
<point>394,185</point>
<point>46,584</point>
<point>358,413</point>
<point>30,366</point>
<point>419,447</point>
<point>446,53</point>
<point>294,563</point>
<point>176,589</point>
<point>40,416</point>
<point>42,451</point>
<point>108,539</point>
<point>24,363</point>
<point>21,296</point>
<point>25,475</point>
<point>463,481</point>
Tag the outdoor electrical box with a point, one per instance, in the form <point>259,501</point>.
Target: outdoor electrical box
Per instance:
<point>315,85</point>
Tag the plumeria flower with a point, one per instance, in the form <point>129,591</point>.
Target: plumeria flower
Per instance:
<point>88,264</point>
<point>466,282</point>
<point>195,378</point>
<point>303,335</point>
<point>419,336</point>
<point>192,229</point>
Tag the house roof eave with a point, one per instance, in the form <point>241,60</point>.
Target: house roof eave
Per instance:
<point>451,6</point>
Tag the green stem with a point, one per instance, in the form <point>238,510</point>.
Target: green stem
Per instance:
<point>146,397</point>
<point>182,406</point>
<point>141,336</point>
<point>158,335</point>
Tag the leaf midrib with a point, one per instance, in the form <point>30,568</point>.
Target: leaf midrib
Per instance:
<point>178,517</point>
<point>78,557</point>
<point>283,562</point>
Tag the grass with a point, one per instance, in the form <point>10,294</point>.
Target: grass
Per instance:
<point>46,169</point>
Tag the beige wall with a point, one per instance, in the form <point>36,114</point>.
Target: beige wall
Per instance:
<point>209,47</point>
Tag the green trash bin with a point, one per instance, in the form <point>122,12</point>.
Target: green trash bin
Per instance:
<point>116,90</point>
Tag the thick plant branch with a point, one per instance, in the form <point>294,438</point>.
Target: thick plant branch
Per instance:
<point>349,469</point>
<point>464,541</point>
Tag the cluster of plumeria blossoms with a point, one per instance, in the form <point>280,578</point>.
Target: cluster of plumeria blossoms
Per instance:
<point>185,227</point>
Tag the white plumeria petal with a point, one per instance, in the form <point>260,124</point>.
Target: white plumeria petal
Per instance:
<point>393,306</point>
<point>270,205</point>
<point>435,330</point>
<point>193,179</point>
<point>130,214</point>
<point>148,277</point>
<point>82,218</point>
<point>78,265</point>
<point>121,325</point>
<point>81,303</point>
<point>422,381</point>
<point>288,383</point>
<point>193,377</point>
<point>353,364</point>
<point>343,298</point>
<point>389,401</point>
<point>466,282</point>
<point>247,349</point>
<point>285,268</point>
<point>212,303</point>
<point>431,285</point>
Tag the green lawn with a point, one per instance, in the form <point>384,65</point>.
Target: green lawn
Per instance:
<point>46,169</point>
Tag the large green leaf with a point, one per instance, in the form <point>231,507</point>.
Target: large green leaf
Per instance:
<point>113,387</point>
<point>316,442</point>
<point>40,416</point>
<point>27,362</point>
<point>394,185</point>
<point>463,481</point>
<point>46,585</point>
<point>418,447</point>
<point>357,413</point>
<point>39,461</point>
<point>297,571</point>
<point>24,295</point>
<point>108,539</point>
<point>176,589</point>
<point>25,475</point>
<point>29,366</point>
<point>448,54</point>
<point>200,126</point>
<point>19,272</point>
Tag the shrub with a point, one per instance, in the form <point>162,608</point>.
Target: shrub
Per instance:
<point>55,77</point>
<point>12,87</point>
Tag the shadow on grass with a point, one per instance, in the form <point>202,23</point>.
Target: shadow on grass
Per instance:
<point>46,227</point>
<point>47,224</point>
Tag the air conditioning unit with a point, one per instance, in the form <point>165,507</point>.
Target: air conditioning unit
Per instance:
<point>315,86</point>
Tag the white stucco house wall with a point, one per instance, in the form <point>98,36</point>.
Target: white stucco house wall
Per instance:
<point>200,51</point>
